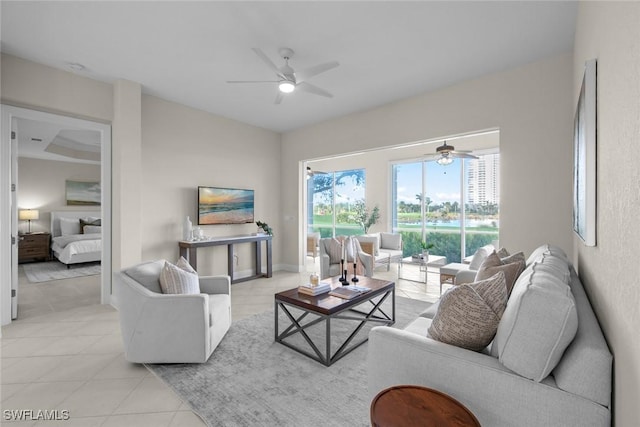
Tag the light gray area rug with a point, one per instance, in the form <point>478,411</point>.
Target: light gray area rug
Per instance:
<point>250,380</point>
<point>54,270</point>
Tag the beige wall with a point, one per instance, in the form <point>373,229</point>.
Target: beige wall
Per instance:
<point>610,32</point>
<point>530,105</point>
<point>183,148</point>
<point>41,185</point>
<point>30,85</point>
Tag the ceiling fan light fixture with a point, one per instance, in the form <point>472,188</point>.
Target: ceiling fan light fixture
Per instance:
<point>286,86</point>
<point>444,161</point>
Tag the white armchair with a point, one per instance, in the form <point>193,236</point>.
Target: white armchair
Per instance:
<point>170,328</point>
<point>331,267</point>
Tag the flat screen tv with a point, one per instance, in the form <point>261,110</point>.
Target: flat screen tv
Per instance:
<point>224,206</point>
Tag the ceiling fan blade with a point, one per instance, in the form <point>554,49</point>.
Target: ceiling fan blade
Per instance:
<point>269,63</point>
<point>279,98</point>
<point>308,87</point>
<point>315,70</point>
<point>462,155</point>
<point>252,81</point>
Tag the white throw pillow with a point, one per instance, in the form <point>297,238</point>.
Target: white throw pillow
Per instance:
<point>69,226</point>
<point>184,264</point>
<point>391,241</point>
<point>175,280</point>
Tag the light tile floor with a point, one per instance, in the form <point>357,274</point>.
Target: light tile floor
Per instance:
<point>65,352</point>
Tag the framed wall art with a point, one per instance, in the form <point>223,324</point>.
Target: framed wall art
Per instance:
<point>584,158</point>
<point>83,193</point>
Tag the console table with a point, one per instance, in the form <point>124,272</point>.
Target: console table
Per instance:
<point>189,250</point>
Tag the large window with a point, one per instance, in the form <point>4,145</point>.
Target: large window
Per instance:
<point>454,207</point>
<point>332,202</point>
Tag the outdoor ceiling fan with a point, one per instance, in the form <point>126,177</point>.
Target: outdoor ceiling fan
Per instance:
<point>311,172</point>
<point>289,79</point>
<point>448,153</point>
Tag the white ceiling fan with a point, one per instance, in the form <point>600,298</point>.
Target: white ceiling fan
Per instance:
<point>290,79</point>
<point>448,153</point>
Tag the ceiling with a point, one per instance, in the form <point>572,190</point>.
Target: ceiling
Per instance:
<point>186,51</point>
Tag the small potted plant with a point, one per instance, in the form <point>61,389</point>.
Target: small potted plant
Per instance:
<point>425,248</point>
<point>265,227</point>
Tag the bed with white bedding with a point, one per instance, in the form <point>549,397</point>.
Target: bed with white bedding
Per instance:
<point>72,243</point>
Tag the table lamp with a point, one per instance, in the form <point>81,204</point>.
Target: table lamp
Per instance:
<point>28,215</point>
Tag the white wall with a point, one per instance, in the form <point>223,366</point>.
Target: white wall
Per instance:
<point>41,185</point>
<point>183,148</point>
<point>610,32</point>
<point>530,105</point>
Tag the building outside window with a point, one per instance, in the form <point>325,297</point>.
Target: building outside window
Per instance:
<point>454,207</point>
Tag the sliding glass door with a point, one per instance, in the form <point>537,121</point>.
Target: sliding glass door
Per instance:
<point>332,201</point>
<point>431,204</point>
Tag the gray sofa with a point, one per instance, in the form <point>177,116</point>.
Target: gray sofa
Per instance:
<point>548,365</point>
<point>170,328</point>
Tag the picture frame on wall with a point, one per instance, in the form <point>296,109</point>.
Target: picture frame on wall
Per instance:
<point>584,158</point>
<point>83,193</point>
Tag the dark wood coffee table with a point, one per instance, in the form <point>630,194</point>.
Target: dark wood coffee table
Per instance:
<point>411,405</point>
<point>325,308</point>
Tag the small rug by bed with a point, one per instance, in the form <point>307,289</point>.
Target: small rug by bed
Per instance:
<point>252,381</point>
<point>54,270</point>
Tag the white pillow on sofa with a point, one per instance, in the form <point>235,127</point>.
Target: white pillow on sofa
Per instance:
<point>175,280</point>
<point>391,241</point>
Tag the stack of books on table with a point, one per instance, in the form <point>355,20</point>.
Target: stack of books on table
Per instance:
<point>309,289</point>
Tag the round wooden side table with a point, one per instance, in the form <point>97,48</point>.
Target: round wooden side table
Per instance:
<point>410,405</point>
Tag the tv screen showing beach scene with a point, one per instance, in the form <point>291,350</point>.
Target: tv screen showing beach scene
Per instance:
<point>224,206</point>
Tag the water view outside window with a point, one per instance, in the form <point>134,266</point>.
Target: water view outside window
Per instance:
<point>332,198</point>
<point>447,205</point>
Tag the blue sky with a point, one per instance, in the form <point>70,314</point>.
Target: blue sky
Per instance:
<point>443,182</point>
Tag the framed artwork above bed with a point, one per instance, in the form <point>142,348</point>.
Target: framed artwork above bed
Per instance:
<point>83,193</point>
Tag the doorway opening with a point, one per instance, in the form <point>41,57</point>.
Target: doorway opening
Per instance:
<point>58,167</point>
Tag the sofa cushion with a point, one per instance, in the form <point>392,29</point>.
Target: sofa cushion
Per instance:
<point>431,311</point>
<point>453,268</point>
<point>175,280</point>
<point>492,264</point>
<point>391,241</point>
<point>469,314</point>
<point>147,274</point>
<point>546,249</point>
<point>479,256</point>
<point>538,324</point>
<point>586,365</point>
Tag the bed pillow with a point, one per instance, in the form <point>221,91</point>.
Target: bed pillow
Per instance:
<point>91,229</point>
<point>69,226</point>
<point>96,222</point>
<point>175,280</point>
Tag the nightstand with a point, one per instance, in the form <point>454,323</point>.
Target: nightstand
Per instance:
<point>33,246</point>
